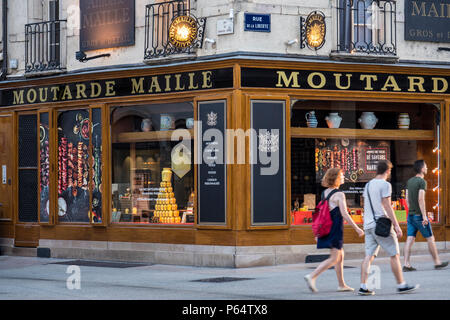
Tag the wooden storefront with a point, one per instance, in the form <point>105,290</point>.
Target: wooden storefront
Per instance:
<point>240,84</point>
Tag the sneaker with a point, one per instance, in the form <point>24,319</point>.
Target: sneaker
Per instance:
<point>365,292</point>
<point>408,289</point>
<point>410,268</point>
<point>310,283</point>
<point>442,265</point>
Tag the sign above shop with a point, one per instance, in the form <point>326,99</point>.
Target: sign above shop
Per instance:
<point>183,31</point>
<point>106,24</point>
<point>341,81</point>
<point>120,87</point>
<point>256,22</point>
<point>313,30</point>
<point>427,20</point>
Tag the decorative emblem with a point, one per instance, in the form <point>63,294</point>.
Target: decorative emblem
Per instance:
<point>183,31</point>
<point>313,30</point>
<point>212,119</point>
<point>268,142</point>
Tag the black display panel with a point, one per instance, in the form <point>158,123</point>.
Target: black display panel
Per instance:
<point>212,169</point>
<point>268,162</point>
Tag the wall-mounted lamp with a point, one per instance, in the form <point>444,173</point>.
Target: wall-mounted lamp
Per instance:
<point>212,41</point>
<point>291,42</point>
<point>81,56</point>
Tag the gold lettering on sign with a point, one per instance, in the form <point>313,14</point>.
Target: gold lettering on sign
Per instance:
<point>18,97</point>
<point>167,82</point>
<point>177,78</point>
<point>416,82</point>
<point>286,82</point>
<point>207,79</point>
<point>191,81</point>
<point>436,85</point>
<point>55,91</point>
<point>81,88</point>
<point>110,88</point>
<point>338,80</point>
<point>96,89</point>
<point>137,86</point>
<point>391,82</point>
<point>154,85</point>
<point>368,78</point>
<point>311,83</point>
<point>433,9</point>
<point>415,9</point>
<point>41,96</point>
<point>66,93</point>
<point>31,100</point>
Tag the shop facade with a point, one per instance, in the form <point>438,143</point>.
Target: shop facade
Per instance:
<point>214,163</point>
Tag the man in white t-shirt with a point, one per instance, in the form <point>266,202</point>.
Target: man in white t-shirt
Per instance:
<point>377,195</point>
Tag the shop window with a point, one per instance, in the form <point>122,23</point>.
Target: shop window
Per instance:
<point>366,26</point>
<point>152,174</point>
<point>79,171</point>
<point>354,136</point>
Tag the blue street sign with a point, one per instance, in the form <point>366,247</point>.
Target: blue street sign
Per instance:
<point>257,22</point>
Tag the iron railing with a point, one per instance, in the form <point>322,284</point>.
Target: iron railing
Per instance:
<point>158,17</point>
<point>44,47</point>
<point>367,26</point>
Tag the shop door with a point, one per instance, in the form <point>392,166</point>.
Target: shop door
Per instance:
<point>27,227</point>
<point>6,161</point>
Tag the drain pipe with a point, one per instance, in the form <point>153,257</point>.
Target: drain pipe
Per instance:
<point>5,39</point>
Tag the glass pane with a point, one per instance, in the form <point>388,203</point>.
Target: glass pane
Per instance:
<point>358,158</point>
<point>44,165</point>
<point>152,176</point>
<point>73,166</point>
<point>96,165</point>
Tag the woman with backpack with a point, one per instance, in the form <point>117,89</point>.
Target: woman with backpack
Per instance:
<point>337,206</point>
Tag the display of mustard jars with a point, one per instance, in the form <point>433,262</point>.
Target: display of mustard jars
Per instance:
<point>174,206</point>
<point>169,189</point>
<point>171,195</point>
<point>173,201</point>
<point>177,220</point>
<point>166,174</point>
<point>176,213</point>
<point>172,220</point>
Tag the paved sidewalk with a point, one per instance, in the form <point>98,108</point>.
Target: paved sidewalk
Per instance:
<point>40,278</point>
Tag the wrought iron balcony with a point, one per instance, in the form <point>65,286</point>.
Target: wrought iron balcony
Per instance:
<point>366,27</point>
<point>158,18</point>
<point>44,46</point>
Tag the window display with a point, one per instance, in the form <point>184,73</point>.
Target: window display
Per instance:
<point>348,136</point>
<point>44,165</point>
<point>76,160</point>
<point>152,176</point>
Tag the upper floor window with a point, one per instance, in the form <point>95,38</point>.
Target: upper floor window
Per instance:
<point>366,26</point>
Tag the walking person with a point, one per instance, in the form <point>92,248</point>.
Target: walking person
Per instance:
<point>332,180</point>
<point>377,204</point>
<point>417,217</point>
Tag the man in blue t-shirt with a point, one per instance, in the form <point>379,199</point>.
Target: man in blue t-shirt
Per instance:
<point>417,216</point>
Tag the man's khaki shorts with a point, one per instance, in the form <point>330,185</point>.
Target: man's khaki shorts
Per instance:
<point>374,242</point>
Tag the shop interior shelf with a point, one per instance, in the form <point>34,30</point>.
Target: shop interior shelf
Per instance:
<point>130,137</point>
<point>373,134</point>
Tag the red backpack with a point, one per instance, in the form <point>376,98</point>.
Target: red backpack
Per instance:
<point>322,222</point>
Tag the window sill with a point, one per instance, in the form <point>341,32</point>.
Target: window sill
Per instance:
<point>363,57</point>
<point>31,74</point>
<point>171,58</point>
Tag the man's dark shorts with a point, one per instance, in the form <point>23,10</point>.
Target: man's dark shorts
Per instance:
<point>415,224</point>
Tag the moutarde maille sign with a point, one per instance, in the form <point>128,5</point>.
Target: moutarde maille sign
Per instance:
<point>343,81</point>
<point>427,20</point>
<point>106,24</point>
<point>131,86</point>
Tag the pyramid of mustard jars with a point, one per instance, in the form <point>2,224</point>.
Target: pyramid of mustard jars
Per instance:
<point>166,209</point>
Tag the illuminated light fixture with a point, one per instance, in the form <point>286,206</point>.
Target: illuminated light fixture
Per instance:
<point>183,31</point>
<point>212,41</point>
<point>313,30</point>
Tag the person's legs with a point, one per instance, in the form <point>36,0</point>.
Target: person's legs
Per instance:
<point>397,268</point>
<point>339,267</point>
<point>326,264</point>
<point>433,250</point>
<point>409,242</point>
<point>365,266</point>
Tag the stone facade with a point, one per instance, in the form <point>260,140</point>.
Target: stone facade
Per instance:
<point>285,23</point>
